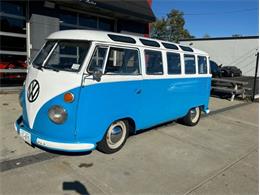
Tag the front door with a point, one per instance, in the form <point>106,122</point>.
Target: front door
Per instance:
<point>117,95</point>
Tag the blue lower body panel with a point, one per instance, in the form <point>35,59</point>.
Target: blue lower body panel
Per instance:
<point>33,138</point>
<point>158,101</point>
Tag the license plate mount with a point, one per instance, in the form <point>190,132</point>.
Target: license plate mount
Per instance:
<point>26,136</point>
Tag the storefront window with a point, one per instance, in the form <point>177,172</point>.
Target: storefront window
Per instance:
<point>12,43</point>
<point>70,20</point>
<point>106,24</point>
<point>68,17</point>
<point>12,47</point>
<point>9,73</point>
<point>14,8</point>
<point>13,25</point>
<point>88,21</point>
<point>64,27</point>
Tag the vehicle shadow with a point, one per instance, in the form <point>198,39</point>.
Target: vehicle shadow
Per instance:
<point>75,186</point>
<point>166,124</point>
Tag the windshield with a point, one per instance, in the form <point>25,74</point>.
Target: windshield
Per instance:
<point>62,55</point>
<point>38,61</point>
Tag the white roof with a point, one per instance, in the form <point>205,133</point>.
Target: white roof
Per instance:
<point>102,36</point>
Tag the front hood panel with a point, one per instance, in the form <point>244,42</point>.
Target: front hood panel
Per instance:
<point>41,86</point>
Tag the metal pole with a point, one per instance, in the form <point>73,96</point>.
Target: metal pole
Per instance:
<point>28,37</point>
<point>256,70</point>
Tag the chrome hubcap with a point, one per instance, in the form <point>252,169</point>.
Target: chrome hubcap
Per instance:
<point>193,113</point>
<point>116,134</point>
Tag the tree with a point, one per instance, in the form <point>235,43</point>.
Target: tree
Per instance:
<point>170,28</point>
<point>237,35</point>
<point>206,35</point>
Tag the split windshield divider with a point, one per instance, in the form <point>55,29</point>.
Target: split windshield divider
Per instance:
<point>48,56</point>
<point>105,60</point>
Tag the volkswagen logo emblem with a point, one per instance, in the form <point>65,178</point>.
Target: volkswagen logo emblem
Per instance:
<point>33,91</point>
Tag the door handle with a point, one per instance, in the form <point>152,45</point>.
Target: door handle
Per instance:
<point>138,91</point>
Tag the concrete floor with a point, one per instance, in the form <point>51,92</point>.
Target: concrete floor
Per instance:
<point>218,156</point>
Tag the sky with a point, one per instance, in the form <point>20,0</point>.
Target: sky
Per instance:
<point>217,18</point>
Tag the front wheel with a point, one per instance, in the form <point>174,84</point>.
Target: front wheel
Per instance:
<point>192,117</point>
<point>115,137</point>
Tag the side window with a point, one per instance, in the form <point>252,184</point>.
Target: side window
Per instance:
<point>153,62</point>
<point>202,65</point>
<point>122,61</point>
<point>97,59</point>
<point>189,61</point>
<point>213,66</point>
<point>174,63</point>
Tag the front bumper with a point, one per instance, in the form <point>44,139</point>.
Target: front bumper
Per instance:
<point>35,139</point>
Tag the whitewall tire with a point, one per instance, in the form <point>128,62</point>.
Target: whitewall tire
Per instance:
<point>115,137</point>
<point>192,117</point>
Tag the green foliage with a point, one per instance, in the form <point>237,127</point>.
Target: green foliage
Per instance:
<point>170,28</point>
<point>206,35</point>
<point>237,35</point>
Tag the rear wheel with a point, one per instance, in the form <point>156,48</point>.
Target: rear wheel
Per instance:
<point>192,117</point>
<point>115,137</point>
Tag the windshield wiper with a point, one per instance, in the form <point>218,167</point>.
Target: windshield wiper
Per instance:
<point>38,67</point>
<point>51,68</point>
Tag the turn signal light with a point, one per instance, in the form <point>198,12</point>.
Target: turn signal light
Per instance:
<point>68,97</point>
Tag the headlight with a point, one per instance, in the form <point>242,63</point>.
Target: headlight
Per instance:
<point>57,114</point>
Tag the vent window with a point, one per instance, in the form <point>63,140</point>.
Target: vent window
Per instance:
<point>150,43</point>
<point>123,39</point>
<point>170,46</point>
<point>185,48</point>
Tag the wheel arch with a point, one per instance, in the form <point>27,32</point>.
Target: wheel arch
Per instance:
<point>103,145</point>
<point>131,123</point>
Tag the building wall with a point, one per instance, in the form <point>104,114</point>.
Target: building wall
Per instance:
<point>230,52</point>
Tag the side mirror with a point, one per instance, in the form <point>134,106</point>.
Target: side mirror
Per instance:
<point>97,74</point>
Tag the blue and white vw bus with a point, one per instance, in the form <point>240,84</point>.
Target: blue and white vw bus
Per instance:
<point>90,89</point>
